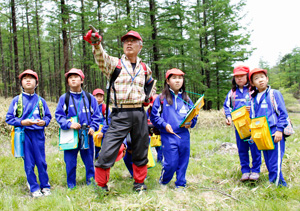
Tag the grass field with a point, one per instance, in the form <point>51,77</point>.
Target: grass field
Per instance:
<point>212,176</point>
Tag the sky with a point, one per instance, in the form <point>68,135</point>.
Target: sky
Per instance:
<point>276,29</point>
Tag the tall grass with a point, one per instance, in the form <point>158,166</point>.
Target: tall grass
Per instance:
<point>212,177</point>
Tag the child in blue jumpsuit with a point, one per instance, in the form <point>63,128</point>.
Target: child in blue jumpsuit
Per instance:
<point>99,95</point>
<point>237,97</point>
<point>261,105</point>
<point>176,151</point>
<point>88,114</point>
<point>34,117</point>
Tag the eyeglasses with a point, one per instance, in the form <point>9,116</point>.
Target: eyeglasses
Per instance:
<point>132,40</point>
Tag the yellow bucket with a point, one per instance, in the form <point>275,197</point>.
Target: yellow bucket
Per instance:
<point>97,141</point>
<point>261,134</point>
<point>12,140</point>
<point>151,161</point>
<point>241,121</point>
<point>155,141</point>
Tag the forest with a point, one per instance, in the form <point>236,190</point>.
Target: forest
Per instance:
<point>203,38</point>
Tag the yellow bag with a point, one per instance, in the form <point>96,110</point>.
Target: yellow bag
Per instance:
<point>12,140</point>
<point>261,133</point>
<point>241,121</point>
<point>97,141</point>
<point>155,141</point>
<point>151,161</point>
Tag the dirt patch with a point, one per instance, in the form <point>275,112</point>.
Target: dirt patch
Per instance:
<point>227,147</point>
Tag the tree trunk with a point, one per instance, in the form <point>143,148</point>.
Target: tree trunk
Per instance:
<point>14,24</point>
<point>59,87</point>
<point>85,68</point>
<point>101,33</point>
<point>24,46</point>
<point>50,80</point>
<point>64,16</point>
<point>41,81</point>
<point>29,40</point>
<point>154,36</point>
<point>206,69</point>
<point>3,66</point>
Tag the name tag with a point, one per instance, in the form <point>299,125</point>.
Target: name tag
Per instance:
<point>264,105</point>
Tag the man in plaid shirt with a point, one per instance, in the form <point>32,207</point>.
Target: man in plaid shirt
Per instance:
<point>129,116</point>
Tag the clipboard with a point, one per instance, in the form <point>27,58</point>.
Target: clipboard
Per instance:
<point>68,139</point>
<point>193,111</point>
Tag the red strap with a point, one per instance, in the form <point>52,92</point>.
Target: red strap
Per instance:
<point>144,67</point>
<point>119,66</point>
<point>103,109</point>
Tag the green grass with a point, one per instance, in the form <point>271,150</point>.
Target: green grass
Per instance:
<point>212,178</point>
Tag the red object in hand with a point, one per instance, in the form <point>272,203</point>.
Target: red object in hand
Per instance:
<point>93,38</point>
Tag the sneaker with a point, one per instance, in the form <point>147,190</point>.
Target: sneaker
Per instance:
<point>46,191</point>
<point>180,188</point>
<point>139,186</point>
<point>245,177</point>
<point>254,176</point>
<point>37,194</point>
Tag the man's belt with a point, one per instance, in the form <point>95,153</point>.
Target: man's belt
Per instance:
<point>138,105</point>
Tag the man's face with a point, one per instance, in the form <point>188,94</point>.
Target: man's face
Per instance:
<point>132,46</point>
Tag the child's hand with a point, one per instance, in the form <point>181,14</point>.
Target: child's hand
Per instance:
<point>28,122</point>
<point>187,125</point>
<point>40,122</point>
<point>75,126</point>
<point>228,120</point>
<point>248,108</point>
<point>91,132</point>
<point>169,129</point>
<point>277,136</point>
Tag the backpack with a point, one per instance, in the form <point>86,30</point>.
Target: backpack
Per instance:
<point>19,111</point>
<point>232,98</point>
<point>67,100</point>
<point>288,130</point>
<point>114,76</point>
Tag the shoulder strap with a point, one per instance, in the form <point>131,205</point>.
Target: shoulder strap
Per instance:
<point>67,100</point>
<point>19,111</point>
<point>144,67</point>
<point>232,98</point>
<point>103,109</point>
<point>88,95</point>
<point>113,77</point>
<point>41,109</point>
<point>274,104</point>
<point>161,100</point>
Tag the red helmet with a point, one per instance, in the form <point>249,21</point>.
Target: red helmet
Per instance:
<point>240,70</point>
<point>75,71</point>
<point>256,70</point>
<point>29,72</point>
<point>131,34</point>
<point>174,71</point>
<point>98,91</point>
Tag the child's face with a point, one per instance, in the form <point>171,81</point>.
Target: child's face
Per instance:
<point>99,97</point>
<point>260,81</point>
<point>74,81</point>
<point>240,80</point>
<point>29,83</point>
<point>175,82</point>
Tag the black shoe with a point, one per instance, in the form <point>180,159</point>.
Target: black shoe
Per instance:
<point>105,188</point>
<point>139,187</point>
